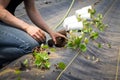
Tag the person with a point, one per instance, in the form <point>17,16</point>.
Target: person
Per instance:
<point>17,37</point>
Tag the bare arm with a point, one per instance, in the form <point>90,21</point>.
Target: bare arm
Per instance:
<point>10,19</point>
<point>37,19</point>
<point>35,16</point>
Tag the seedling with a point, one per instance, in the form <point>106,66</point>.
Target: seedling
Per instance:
<point>61,65</point>
<point>42,60</point>
<point>41,56</point>
<point>26,63</point>
<point>18,72</point>
<point>90,31</point>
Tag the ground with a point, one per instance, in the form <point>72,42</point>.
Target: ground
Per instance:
<point>107,68</point>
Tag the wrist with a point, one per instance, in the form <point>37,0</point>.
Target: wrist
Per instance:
<point>51,33</point>
<point>26,27</point>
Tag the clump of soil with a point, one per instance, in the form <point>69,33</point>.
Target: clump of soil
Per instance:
<point>61,42</point>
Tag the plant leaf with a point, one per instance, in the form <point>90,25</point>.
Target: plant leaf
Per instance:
<point>99,45</point>
<point>52,49</point>
<point>47,65</point>
<point>25,62</point>
<point>94,35</point>
<point>44,46</point>
<point>86,40</point>
<point>61,65</point>
<point>83,47</point>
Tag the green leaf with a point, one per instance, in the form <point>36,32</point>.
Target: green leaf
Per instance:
<point>100,16</point>
<point>61,65</point>
<point>70,44</point>
<point>38,63</point>
<point>78,40</point>
<point>25,62</point>
<point>94,35</point>
<point>19,78</point>
<point>109,45</point>
<point>92,11</point>
<point>102,27</point>
<point>44,46</point>
<point>41,60</point>
<point>52,49</point>
<point>83,47</point>
<point>47,65</point>
<point>17,71</point>
<point>44,56</point>
<point>90,29</point>
<point>98,24</point>
<point>86,40</point>
<point>86,23</point>
<point>79,18</point>
<point>99,45</point>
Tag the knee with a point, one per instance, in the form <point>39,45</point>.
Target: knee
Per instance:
<point>27,47</point>
<point>14,52</point>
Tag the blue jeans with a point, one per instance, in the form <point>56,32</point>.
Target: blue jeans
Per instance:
<point>14,43</point>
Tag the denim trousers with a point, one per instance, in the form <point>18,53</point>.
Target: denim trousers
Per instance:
<point>14,43</point>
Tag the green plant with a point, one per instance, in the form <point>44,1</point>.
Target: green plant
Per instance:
<point>41,57</point>
<point>90,31</point>
<point>61,65</point>
<point>18,72</point>
<point>26,63</point>
<point>42,60</point>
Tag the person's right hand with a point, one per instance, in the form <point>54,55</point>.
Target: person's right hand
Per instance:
<point>36,33</point>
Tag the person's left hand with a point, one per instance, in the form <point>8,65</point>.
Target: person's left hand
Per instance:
<point>55,35</point>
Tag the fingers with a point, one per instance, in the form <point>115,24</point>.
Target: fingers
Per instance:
<point>64,37</point>
<point>39,36</point>
<point>58,35</point>
<point>36,33</point>
<point>54,40</point>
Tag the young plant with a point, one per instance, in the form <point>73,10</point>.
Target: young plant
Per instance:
<point>61,65</point>
<point>18,72</point>
<point>90,31</point>
<point>42,60</point>
<point>41,57</point>
<point>26,63</point>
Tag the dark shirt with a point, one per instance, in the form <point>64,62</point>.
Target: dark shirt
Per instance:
<point>12,5</point>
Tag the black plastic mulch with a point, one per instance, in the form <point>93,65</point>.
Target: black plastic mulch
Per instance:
<point>105,69</point>
<point>95,64</point>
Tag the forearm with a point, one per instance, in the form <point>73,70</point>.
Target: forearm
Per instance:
<point>8,18</point>
<point>39,21</point>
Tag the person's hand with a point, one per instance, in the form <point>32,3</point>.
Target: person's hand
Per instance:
<point>36,33</point>
<point>55,35</point>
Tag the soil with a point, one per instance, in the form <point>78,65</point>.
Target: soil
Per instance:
<point>61,42</point>
<point>54,55</point>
